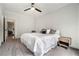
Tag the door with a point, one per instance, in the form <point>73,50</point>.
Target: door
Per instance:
<point>4,29</point>
<point>9,26</point>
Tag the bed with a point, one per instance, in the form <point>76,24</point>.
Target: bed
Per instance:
<point>39,43</point>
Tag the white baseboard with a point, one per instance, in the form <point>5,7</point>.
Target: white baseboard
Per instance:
<point>74,47</point>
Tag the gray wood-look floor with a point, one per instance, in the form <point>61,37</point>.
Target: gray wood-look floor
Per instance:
<point>14,47</point>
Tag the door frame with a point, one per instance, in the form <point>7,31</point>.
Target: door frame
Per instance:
<point>4,29</point>
<point>5,20</point>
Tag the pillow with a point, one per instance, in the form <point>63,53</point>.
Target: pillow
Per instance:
<point>43,31</point>
<point>52,31</point>
<point>48,31</point>
<point>57,32</point>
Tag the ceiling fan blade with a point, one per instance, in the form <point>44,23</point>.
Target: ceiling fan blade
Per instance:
<point>27,9</point>
<point>38,10</point>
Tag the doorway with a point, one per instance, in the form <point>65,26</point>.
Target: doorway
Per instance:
<point>10,29</point>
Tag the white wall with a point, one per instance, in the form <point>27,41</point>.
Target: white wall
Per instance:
<point>78,25</point>
<point>64,19</point>
<point>1,25</point>
<point>23,23</point>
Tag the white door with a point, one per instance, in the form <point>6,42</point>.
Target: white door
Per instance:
<point>6,29</point>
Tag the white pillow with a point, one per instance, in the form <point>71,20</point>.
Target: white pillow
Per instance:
<point>57,32</point>
<point>48,31</point>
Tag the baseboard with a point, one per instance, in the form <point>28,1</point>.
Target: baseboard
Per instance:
<point>18,38</point>
<point>74,48</point>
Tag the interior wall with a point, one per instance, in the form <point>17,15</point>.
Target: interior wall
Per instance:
<point>23,23</point>
<point>78,25</point>
<point>64,19</point>
<point>1,25</point>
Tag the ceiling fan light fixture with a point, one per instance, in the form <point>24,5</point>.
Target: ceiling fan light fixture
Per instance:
<point>32,8</point>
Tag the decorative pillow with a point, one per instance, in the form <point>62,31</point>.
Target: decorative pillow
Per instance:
<point>48,31</point>
<point>43,31</point>
<point>52,31</point>
<point>57,32</point>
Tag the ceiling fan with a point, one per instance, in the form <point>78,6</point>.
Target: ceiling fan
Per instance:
<point>33,8</point>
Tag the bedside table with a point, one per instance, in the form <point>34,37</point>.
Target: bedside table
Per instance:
<point>64,41</point>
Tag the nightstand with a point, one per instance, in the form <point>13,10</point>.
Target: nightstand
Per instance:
<point>64,41</point>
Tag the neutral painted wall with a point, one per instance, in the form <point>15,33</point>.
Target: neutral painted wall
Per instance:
<point>1,25</point>
<point>23,23</point>
<point>64,19</point>
<point>78,25</point>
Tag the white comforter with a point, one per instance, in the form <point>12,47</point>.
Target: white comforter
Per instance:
<point>39,43</point>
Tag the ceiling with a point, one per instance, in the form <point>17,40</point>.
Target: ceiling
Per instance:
<point>45,7</point>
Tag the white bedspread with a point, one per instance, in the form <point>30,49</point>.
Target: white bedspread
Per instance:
<point>39,43</point>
